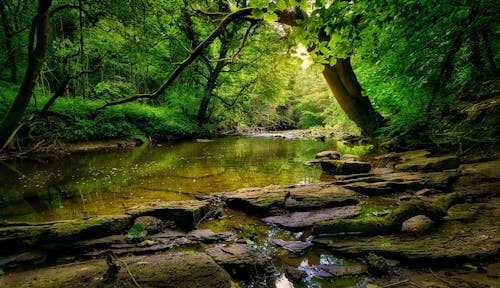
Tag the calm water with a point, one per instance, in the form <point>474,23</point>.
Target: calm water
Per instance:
<point>88,184</point>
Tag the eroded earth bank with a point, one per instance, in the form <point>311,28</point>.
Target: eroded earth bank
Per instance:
<point>398,220</point>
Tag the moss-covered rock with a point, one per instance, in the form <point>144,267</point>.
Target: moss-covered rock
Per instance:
<point>456,241</point>
<point>329,154</point>
<point>341,167</point>
<point>185,214</point>
<point>180,270</point>
<point>299,221</point>
<point>242,261</point>
<point>318,196</point>
<point>26,235</point>
<point>430,164</point>
<point>259,200</point>
<point>94,227</point>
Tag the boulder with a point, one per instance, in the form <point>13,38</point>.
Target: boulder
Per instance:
<point>417,224</point>
<point>319,196</point>
<point>430,164</point>
<point>298,221</point>
<point>241,261</point>
<point>185,214</point>
<point>332,155</point>
<point>345,167</point>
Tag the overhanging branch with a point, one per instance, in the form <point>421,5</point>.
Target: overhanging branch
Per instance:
<point>183,65</point>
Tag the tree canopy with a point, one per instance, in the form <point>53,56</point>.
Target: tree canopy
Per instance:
<point>197,66</point>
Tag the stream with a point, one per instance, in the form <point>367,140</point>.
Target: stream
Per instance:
<point>105,182</point>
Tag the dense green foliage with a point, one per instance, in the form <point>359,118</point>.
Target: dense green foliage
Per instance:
<point>410,56</point>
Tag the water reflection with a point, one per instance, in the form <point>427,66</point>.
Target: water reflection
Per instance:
<point>87,184</point>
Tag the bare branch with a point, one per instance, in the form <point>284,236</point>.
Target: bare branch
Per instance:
<point>242,45</point>
<point>196,53</point>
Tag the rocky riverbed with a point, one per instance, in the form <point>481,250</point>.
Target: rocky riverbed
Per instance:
<point>402,220</point>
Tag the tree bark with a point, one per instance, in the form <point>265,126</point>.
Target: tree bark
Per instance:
<point>11,57</point>
<point>39,33</point>
<point>343,83</point>
<point>347,91</point>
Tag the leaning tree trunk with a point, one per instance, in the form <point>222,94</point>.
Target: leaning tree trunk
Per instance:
<point>347,90</point>
<point>39,33</point>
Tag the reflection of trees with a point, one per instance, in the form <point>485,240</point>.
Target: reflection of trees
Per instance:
<point>86,183</point>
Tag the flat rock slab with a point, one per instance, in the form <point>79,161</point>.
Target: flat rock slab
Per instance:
<point>333,270</point>
<point>430,164</point>
<point>485,171</point>
<point>400,182</point>
<point>180,270</point>
<point>297,221</point>
<point>26,235</point>
<point>404,155</point>
<point>317,196</point>
<point>185,214</point>
<point>241,261</point>
<point>454,242</point>
<point>274,199</point>
<point>297,247</point>
<point>341,167</point>
<point>259,200</point>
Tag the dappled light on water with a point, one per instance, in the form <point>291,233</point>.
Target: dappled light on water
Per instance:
<point>93,183</point>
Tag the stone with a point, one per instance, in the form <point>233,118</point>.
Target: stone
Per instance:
<point>26,258</point>
<point>295,275</point>
<point>136,234</point>
<point>430,164</point>
<point>208,236</point>
<point>350,157</point>
<point>484,171</point>
<point>329,154</point>
<point>150,223</point>
<point>377,265</point>
<point>456,241</point>
<point>382,171</point>
<point>297,221</point>
<point>318,196</point>
<point>259,200</point>
<point>241,261</point>
<point>180,270</point>
<point>334,270</point>
<point>186,214</point>
<point>94,227</point>
<point>404,155</point>
<point>417,224</point>
<point>345,167</point>
<point>297,247</point>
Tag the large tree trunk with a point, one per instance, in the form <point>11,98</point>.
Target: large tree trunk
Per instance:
<point>39,33</point>
<point>347,90</point>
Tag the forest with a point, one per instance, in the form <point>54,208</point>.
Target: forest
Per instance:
<point>249,143</point>
<point>86,70</point>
